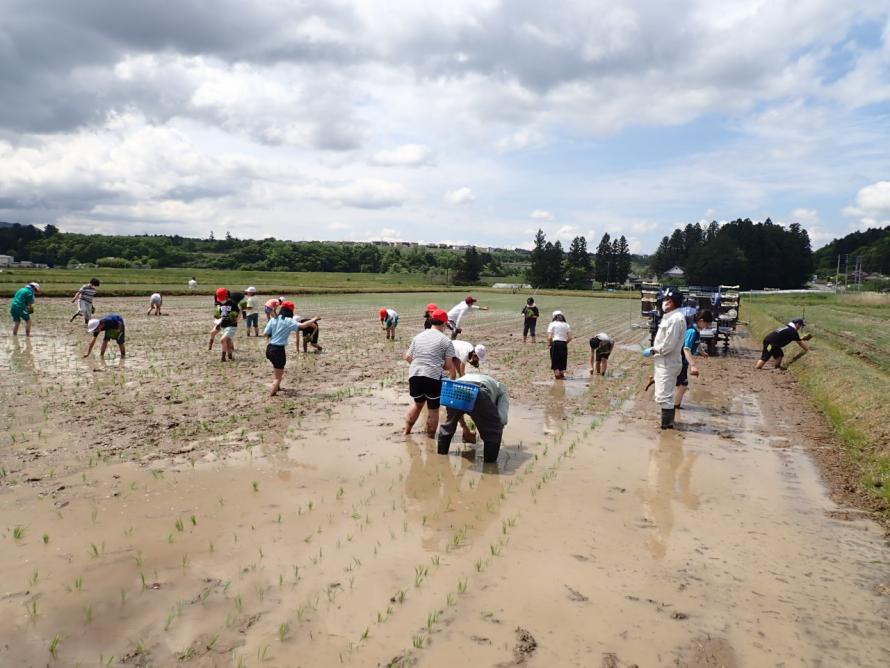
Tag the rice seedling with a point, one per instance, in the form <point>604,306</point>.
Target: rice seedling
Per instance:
<point>33,578</point>
<point>18,532</point>
<point>417,641</point>
<point>32,608</point>
<point>46,539</point>
<point>179,525</point>
<point>194,520</point>
<point>420,573</point>
<point>54,645</point>
<point>88,614</point>
<point>366,634</point>
<point>123,593</point>
<point>283,631</point>
<point>212,642</point>
<point>264,654</point>
<point>255,485</point>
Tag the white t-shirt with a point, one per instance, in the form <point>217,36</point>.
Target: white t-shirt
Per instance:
<point>155,298</point>
<point>462,350</point>
<point>559,330</point>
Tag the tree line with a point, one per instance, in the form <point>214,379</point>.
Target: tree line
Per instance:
<point>55,248</point>
<point>741,252</point>
<point>552,267</point>
<point>872,245</point>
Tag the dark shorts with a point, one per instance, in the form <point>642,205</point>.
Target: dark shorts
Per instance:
<point>528,326</point>
<point>598,355</point>
<point>310,335</point>
<point>559,355</point>
<point>683,376</point>
<point>771,351</point>
<point>115,335</point>
<point>253,319</point>
<point>19,314</point>
<point>425,389</point>
<point>276,355</point>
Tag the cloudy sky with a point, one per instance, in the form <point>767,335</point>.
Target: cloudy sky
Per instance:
<point>466,121</point>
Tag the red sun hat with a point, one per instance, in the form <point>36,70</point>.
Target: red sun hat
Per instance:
<point>440,315</point>
<point>431,307</point>
<point>470,299</point>
<point>289,305</point>
<point>382,313</point>
<point>222,294</point>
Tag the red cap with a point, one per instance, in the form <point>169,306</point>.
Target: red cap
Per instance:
<point>431,307</point>
<point>289,305</point>
<point>382,313</point>
<point>222,294</point>
<point>440,315</point>
<point>470,299</point>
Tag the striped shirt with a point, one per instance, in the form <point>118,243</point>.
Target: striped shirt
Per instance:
<point>428,352</point>
<point>87,292</point>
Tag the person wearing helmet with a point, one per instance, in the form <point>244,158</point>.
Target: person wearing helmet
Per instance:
<point>390,320</point>
<point>428,315</point>
<point>457,313</point>
<point>85,297</point>
<point>600,348</point>
<point>778,339</point>
<point>278,330</point>
<point>155,302</point>
<point>22,307</point>
<point>666,351</point>
<point>530,315</point>
<point>558,336</point>
<point>112,325</point>
<point>250,307</point>
<point>429,354</point>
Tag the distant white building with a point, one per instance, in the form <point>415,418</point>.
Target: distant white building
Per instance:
<point>6,260</point>
<point>674,272</point>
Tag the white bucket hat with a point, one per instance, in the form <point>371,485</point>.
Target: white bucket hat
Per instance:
<point>35,285</point>
<point>251,290</point>
<point>556,313</point>
<point>480,352</point>
<point>92,325</point>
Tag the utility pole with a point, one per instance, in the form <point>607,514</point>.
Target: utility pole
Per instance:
<point>837,273</point>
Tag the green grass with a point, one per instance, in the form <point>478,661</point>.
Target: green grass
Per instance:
<point>847,375</point>
<point>142,282</point>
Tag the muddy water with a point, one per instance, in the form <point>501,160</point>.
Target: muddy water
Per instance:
<point>148,530</point>
<point>351,543</point>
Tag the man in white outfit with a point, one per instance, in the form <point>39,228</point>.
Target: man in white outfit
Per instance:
<point>667,350</point>
<point>457,313</point>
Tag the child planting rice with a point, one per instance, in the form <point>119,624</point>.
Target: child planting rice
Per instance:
<point>428,315</point>
<point>600,348</point>
<point>112,325</point>
<point>84,298</point>
<point>558,336</point>
<point>774,342</point>
<point>154,303</point>
<point>250,308</point>
<point>466,353</point>
<point>489,414</point>
<point>390,320</point>
<point>278,330</point>
<point>22,307</point>
<point>458,311</point>
<point>691,347</point>
<point>429,353</point>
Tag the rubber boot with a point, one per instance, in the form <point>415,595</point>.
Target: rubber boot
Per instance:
<point>443,443</point>
<point>667,418</point>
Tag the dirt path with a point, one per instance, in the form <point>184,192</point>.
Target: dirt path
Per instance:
<point>316,535</point>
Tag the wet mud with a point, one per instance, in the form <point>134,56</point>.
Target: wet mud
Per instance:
<point>165,512</point>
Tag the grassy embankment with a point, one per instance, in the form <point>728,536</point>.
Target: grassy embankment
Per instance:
<point>847,374</point>
<point>142,282</point>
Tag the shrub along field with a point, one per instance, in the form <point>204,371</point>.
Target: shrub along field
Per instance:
<point>848,372</point>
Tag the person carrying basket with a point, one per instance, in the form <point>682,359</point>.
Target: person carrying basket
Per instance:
<point>485,400</point>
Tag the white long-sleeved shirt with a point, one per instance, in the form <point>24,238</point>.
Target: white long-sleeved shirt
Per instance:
<point>669,338</point>
<point>456,314</point>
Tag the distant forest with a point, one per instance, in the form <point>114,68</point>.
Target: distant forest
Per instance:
<point>873,246</point>
<point>753,255</point>
<point>60,249</point>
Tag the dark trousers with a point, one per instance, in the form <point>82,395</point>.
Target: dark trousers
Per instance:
<point>488,422</point>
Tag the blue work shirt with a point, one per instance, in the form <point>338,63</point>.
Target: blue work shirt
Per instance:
<point>692,340</point>
<point>279,329</point>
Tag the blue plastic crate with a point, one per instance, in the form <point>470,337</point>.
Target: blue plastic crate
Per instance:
<point>457,395</point>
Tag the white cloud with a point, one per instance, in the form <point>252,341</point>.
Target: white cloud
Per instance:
<point>460,196</point>
<point>805,217</point>
<point>524,138</point>
<point>364,193</point>
<point>339,226</point>
<point>872,207</point>
<point>541,214</point>
<point>407,155</point>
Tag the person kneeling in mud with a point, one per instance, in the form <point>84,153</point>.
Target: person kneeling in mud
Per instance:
<point>113,327</point>
<point>279,329</point>
<point>489,412</point>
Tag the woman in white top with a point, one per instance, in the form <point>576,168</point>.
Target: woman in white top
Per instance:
<point>558,336</point>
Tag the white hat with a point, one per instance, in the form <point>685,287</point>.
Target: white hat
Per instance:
<point>35,285</point>
<point>480,352</point>
<point>556,313</point>
<point>92,325</point>
<point>602,336</point>
<point>250,289</point>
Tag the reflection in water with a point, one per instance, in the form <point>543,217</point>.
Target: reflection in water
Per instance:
<point>22,355</point>
<point>445,494</point>
<point>555,408</point>
<point>669,480</point>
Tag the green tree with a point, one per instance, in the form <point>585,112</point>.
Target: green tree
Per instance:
<point>603,269</point>
<point>469,268</point>
<point>579,269</point>
<point>536,273</point>
<point>622,259</point>
<point>553,265</point>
